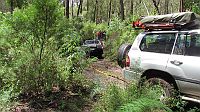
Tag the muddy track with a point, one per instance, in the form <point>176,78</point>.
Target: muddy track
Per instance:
<point>105,73</point>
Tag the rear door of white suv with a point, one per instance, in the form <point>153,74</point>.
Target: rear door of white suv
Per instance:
<point>184,63</point>
<point>155,50</point>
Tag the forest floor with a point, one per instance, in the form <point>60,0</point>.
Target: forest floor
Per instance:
<point>102,72</point>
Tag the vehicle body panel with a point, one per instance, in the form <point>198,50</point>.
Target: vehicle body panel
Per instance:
<point>186,73</point>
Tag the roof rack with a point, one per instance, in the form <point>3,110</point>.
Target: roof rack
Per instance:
<point>175,21</point>
<point>156,26</point>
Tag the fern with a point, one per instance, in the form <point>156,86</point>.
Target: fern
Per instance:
<point>144,105</point>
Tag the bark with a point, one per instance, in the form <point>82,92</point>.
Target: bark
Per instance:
<point>2,6</point>
<point>109,12</point>
<point>72,8</point>
<point>95,11</point>
<point>81,3</point>
<point>122,9</point>
<point>11,6</point>
<point>131,10</point>
<point>166,7</point>
<point>67,8</point>
<point>88,5</point>
<point>181,8</point>
<point>79,8</point>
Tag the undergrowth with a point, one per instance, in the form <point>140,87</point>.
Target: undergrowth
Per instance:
<point>130,99</point>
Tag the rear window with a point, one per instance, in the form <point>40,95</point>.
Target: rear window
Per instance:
<point>158,43</point>
<point>91,42</point>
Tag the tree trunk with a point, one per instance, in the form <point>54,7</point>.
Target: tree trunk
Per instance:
<point>87,5</point>
<point>131,10</point>
<point>156,5</point>
<point>166,7</point>
<point>122,9</point>
<point>2,6</point>
<point>181,8</point>
<point>11,6</point>
<point>95,11</point>
<point>79,8</point>
<point>109,12</point>
<point>67,8</point>
<point>72,8</point>
<point>81,3</point>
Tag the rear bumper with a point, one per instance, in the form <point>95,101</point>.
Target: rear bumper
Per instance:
<point>131,75</point>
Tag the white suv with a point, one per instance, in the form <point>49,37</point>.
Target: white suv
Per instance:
<point>171,58</point>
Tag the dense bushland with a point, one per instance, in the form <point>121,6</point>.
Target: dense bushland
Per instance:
<point>41,60</point>
<point>130,99</point>
<point>40,54</point>
<point>117,33</point>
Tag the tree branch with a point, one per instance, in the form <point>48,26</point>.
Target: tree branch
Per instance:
<point>156,5</point>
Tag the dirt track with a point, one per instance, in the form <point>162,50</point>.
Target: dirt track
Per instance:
<point>104,73</point>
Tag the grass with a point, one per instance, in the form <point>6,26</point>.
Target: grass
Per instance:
<point>130,99</point>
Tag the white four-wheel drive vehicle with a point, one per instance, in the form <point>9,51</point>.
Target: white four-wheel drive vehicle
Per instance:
<point>167,53</point>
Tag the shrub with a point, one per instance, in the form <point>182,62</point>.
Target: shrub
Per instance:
<point>118,33</point>
<point>36,56</point>
<point>40,51</point>
<point>130,99</point>
<point>89,30</point>
<point>144,105</point>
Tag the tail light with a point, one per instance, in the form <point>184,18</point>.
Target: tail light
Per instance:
<point>127,61</point>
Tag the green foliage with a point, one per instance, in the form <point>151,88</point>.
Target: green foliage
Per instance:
<point>112,99</point>
<point>36,57</point>
<point>130,99</point>
<point>5,102</point>
<point>89,30</point>
<point>192,5</point>
<point>144,105</point>
<point>196,8</point>
<point>118,33</point>
<point>40,50</point>
<point>18,3</point>
<point>195,109</point>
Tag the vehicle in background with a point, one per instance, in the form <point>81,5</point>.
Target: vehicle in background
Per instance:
<point>95,48</point>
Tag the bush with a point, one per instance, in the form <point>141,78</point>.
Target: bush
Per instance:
<point>89,30</point>
<point>40,51</point>
<point>35,47</point>
<point>118,33</point>
<point>130,99</point>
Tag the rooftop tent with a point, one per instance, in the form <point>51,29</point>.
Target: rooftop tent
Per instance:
<point>184,20</point>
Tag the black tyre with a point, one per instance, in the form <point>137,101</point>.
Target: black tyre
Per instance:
<point>167,90</point>
<point>122,53</point>
<point>99,53</point>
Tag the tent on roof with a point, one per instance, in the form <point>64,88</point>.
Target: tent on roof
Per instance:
<point>186,20</point>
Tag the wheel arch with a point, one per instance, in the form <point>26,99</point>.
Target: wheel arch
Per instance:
<point>160,74</point>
